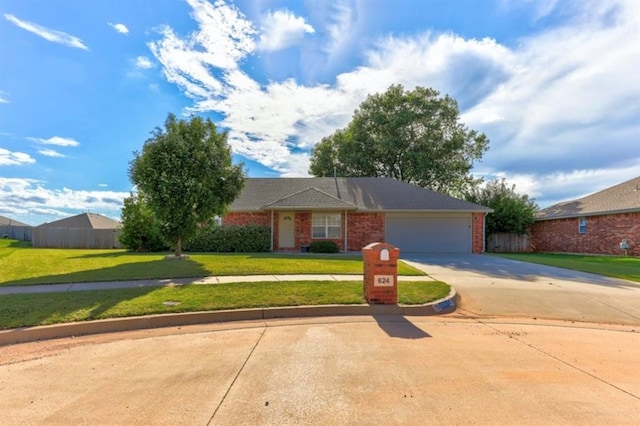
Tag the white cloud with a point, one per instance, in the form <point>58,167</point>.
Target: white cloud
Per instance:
<point>51,153</point>
<point>282,29</point>
<point>142,62</point>
<point>4,97</point>
<point>57,141</point>
<point>30,195</point>
<point>54,36</point>
<point>121,28</point>
<point>9,158</point>
<point>341,26</point>
<point>561,104</point>
<point>571,101</point>
<point>554,187</point>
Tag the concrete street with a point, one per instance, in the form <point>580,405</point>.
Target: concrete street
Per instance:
<point>519,350</point>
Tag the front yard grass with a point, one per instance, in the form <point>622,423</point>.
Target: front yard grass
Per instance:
<point>626,268</point>
<point>24,310</point>
<point>21,264</point>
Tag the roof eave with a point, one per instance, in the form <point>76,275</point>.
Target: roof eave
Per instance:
<point>314,208</point>
<point>588,214</point>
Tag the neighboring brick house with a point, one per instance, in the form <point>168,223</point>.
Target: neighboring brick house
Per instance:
<point>353,212</point>
<point>595,224</point>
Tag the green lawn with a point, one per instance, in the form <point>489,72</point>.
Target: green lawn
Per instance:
<point>627,268</point>
<point>24,310</point>
<point>21,264</point>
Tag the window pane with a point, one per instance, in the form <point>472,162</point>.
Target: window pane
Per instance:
<point>333,219</point>
<point>582,225</point>
<point>318,232</point>
<point>318,219</point>
<point>334,232</point>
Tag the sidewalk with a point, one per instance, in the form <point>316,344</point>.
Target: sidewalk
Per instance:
<point>109,285</point>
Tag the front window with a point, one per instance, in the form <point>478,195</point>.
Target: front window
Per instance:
<point>326,225</point>
<point>582,225</point>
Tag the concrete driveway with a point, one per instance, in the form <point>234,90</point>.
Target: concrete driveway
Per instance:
<point>491,286</point>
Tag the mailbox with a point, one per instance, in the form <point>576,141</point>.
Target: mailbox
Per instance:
<point>381,273</point>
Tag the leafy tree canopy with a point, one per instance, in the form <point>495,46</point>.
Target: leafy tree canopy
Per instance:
<point>187,177</point>
<point>513,213</point>
<point>413,136</point>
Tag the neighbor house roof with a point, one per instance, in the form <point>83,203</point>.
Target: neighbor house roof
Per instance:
<point>621,198</point>
<point>5,221</point>
<point>363,194</point>
<point>84,220</point>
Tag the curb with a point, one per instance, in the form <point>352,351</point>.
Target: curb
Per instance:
<point>30,334</point>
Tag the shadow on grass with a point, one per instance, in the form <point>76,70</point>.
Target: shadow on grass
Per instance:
<point>106,254</point>
<point>257,255</point>
<point>22,310</point>
<point>155,269</point>
<point>28,310</point>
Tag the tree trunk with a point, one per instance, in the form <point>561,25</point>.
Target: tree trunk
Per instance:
<point>178,252</point>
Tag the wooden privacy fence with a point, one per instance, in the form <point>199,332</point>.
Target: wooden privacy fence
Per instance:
<point>22,233</point>
<point>75,238</point>
<point>508,243</point>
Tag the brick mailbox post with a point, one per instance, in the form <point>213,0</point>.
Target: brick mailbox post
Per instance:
<point>381,273</point>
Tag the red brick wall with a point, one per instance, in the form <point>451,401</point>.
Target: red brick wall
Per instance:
<point>262,219</point>
<point>604,234</point>
<point>477,232</point>
<point>364,229</point>
<point>303,229</point>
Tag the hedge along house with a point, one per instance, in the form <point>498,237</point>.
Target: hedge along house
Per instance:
<point>354,212</point>
<point>595,224</point>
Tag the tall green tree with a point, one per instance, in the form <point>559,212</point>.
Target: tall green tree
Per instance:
<point>187,176</point>
<point>513,213</point>
<point>413,136</point>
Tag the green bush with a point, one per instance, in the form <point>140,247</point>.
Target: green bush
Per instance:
<point>231,239</point>
<point>324,247</point>
<point>141,231</point>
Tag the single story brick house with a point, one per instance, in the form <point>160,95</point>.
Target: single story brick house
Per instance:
<point>595,224</point>
<point>354,212</point>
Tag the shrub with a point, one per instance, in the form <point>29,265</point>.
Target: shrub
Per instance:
<point>141,231</point>
<point>231,239</point>
<point>324,247</point>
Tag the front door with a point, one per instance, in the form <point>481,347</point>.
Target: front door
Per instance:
<point>286,230</point>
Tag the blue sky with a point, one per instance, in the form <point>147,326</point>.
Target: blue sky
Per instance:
<point>554,84</point>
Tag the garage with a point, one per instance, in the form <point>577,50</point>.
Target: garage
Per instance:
<point>431,233</point>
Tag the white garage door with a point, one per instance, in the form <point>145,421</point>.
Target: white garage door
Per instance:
<point>429,233</point>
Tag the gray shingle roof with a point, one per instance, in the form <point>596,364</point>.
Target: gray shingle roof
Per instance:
<point>5,221</point>
<point>310,198</point>
<point>84,220</point>
<point>621,198</point>
<point>364,194</point>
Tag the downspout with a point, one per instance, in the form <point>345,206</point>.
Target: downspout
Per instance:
<point>346,230</point>
<point>272,230</point>
<point>484,227</point>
